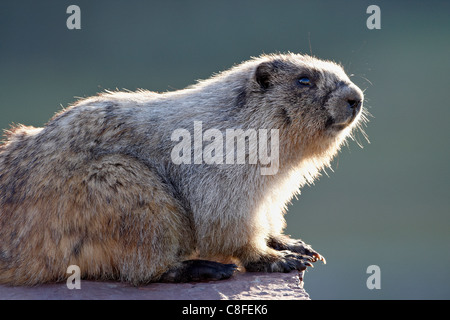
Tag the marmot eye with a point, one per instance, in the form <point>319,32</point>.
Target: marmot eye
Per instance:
<point>304,81</point>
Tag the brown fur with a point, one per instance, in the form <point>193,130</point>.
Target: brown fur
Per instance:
<point>96,186</point>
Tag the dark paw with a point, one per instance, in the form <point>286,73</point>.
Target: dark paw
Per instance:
<point>285,261</point>
<point>199,270</point>
<point>300,247</point>
<point>296,245</point>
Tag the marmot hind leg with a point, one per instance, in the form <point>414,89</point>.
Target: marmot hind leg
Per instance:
<point>140,228</point>
<point>198,270</point>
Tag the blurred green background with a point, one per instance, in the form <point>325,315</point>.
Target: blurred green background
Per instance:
<point>386,204</point>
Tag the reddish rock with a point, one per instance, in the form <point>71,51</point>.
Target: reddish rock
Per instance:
<point>260,286</point>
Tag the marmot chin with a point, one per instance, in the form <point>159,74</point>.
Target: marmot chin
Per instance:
<point>96,187</point>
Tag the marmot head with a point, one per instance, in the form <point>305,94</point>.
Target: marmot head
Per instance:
<point>314,98</point>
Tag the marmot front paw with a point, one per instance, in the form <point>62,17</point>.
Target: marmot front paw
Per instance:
<point>296,245</point>
<point>284,261</point>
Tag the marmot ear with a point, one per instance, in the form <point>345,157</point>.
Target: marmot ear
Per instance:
<point>263,74</point>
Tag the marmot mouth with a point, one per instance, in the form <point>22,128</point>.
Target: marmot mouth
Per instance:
<point>331,122</point>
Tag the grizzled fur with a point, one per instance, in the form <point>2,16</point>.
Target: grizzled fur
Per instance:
<point>96,186</point>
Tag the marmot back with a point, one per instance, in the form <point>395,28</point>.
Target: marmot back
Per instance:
<point>144,186</point>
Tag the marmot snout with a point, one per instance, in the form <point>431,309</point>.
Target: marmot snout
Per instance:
<point>344,106</point>
<point>97,187</point>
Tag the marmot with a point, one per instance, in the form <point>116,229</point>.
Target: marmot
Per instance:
<point>97,186</point>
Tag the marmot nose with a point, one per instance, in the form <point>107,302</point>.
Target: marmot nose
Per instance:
<point>354,103</point>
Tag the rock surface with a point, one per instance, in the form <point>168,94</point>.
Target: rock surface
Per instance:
<point>251,286</point>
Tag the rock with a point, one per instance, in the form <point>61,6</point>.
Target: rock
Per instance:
<point>251,286</point>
